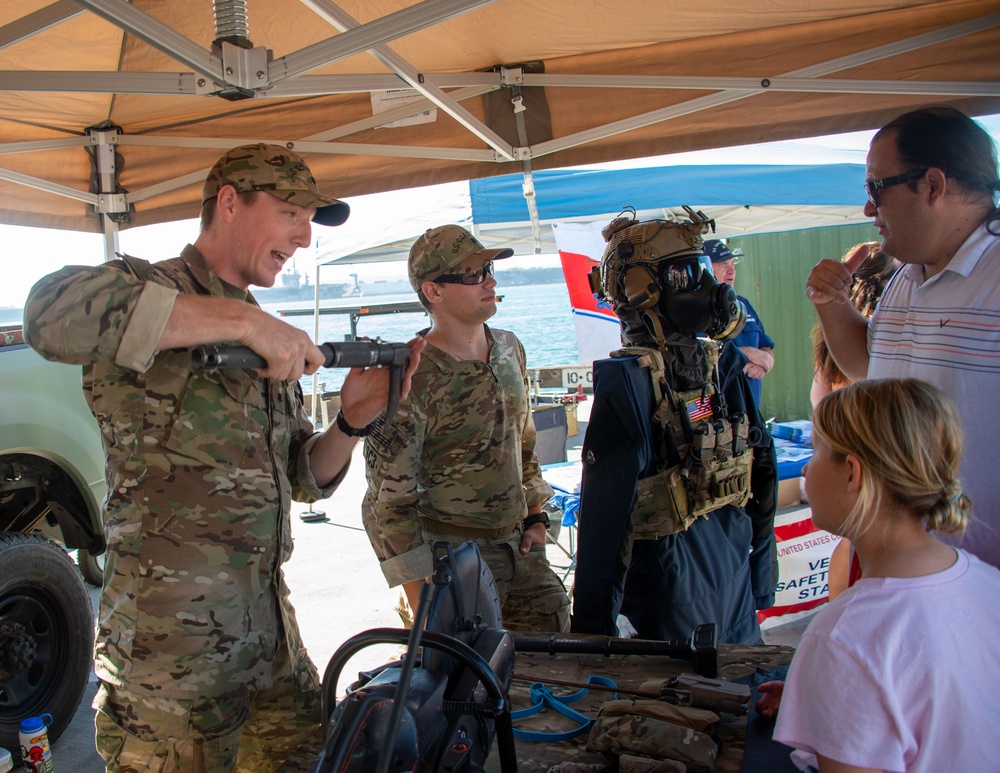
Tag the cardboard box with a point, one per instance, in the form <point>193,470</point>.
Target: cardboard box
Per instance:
<point>572,426</point>
<point>789,492</point>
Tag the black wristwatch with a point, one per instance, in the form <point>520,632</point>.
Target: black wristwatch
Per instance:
<point>534,518</point>
<point>350,431</point>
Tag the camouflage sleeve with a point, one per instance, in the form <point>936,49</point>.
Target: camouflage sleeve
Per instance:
<point>82,314</point>
<point>306,489</point>
<point>536,491</point>
<point>393,455</point>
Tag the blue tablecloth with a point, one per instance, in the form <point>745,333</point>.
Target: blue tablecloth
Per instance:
<point>565,480</point>
<point>793,445</point>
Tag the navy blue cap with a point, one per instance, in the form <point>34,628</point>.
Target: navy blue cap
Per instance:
<point>718,252</point>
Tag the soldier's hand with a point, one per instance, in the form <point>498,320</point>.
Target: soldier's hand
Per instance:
<point>411,592</point>
<point>365,392</point>
<point>289,352</point>
<point>535,534</point>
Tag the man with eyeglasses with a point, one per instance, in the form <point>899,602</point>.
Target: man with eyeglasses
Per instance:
<point>458,462</point>
<point>932,176</point>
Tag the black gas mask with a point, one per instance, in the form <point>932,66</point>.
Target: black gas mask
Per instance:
<point>660,284</point>
<point>692,301</point>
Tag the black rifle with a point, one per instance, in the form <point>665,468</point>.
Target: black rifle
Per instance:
<point>350,354</point>
<point>702,649</point>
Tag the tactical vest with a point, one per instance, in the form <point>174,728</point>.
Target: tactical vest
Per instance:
<point>703,460</point>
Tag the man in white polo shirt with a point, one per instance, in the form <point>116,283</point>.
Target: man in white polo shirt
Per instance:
<point>931,179</point>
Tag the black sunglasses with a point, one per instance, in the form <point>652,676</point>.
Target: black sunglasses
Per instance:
<point>469,277</point>
<point>874,187</point>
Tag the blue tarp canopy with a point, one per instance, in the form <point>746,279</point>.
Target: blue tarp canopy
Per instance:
<point>742,198</point>
<point>580,194</point>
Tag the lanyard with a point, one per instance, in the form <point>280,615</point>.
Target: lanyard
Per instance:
<point>542,696</point>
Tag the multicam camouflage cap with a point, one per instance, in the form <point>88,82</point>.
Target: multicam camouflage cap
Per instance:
<point>279,171</point>
<point>448,249</point>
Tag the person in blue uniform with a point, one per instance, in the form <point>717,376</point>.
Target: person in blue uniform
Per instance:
<point>757,345</point>
<point>679,485</point>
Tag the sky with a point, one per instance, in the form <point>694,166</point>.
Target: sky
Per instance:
<point>35,252</point>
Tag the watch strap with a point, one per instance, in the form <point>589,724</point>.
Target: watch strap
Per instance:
<point>534,518</point>
<point>350,431</point>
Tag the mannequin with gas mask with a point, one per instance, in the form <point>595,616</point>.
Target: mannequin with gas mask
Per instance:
<point>676,522</point>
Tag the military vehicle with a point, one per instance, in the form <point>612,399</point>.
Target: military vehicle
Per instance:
<point>51,487</point>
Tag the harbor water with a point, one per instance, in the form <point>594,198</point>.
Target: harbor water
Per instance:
<point>540,315</point>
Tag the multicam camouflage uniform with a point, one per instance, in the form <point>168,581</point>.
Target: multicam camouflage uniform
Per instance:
<point>201,470</point>
<point>459,463</point>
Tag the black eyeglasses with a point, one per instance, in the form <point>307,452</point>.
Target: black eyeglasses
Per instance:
<point>874,187</point>
<point>469,277</point>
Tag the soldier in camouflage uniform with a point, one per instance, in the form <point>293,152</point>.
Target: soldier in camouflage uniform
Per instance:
<point>198,651</point>
<point>458,462</point>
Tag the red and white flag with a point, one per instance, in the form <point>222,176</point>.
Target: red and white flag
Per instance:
<point>598,330</point>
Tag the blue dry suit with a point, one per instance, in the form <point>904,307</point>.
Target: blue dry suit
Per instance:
<point>721,569</point>
<point>753,335</point>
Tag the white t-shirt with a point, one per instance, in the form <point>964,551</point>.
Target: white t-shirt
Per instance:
<point>902,674</point>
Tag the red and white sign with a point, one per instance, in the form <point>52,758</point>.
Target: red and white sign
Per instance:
<point>803,567</point>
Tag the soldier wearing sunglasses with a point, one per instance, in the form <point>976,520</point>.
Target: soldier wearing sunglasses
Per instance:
<point>932,180</point>
<point>458,461</point>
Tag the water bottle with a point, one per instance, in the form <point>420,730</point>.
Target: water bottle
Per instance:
<point>35,753</point>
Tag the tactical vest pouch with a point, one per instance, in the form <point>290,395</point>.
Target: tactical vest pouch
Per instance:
<point>714,457</point>
<point>715,472</point>
<point>661,505</point>
<point>632,734</point>
<point>720,483</point>
<point>672,500</point>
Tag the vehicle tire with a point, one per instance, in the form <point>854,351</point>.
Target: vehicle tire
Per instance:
<point>91,567</point>
<point>46,635</point>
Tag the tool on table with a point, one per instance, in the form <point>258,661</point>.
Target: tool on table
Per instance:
<point>702,649</point>
<point>698,692</point>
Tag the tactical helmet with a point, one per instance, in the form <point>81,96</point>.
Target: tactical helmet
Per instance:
<point>628,274</point>
<point>660,284</point>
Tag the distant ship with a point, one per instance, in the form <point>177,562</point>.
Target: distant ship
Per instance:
<point>295,286</point>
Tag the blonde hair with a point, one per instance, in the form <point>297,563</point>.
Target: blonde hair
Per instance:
<point>907,436</point>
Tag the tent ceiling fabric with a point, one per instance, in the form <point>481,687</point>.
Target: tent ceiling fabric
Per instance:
<point>621,80</point>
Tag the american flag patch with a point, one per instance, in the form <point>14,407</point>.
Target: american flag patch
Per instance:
<point>699,408</point>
